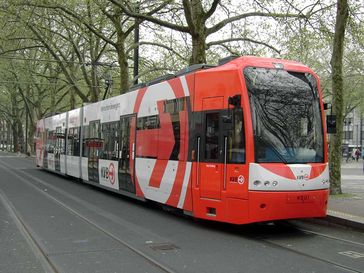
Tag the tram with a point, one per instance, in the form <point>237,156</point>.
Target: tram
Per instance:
<point>240,142</point>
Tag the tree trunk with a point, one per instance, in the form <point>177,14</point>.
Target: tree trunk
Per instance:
<point>8,136</point>
<point>72,99</point>
<point>197,23</point>
<point>53,92</point>
<point>32,128</point>
<point>198,48</point>
<point>123,62</point>
<point>16,128</point>
<point>3,132</point>
<point>337,90</point>
<point>94,88</point>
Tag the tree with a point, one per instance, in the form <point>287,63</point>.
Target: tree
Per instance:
<point>196,15</point>
<point>120,26</point>
<point>337,89</point>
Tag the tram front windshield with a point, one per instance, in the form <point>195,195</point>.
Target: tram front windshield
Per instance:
<point>286,116</point>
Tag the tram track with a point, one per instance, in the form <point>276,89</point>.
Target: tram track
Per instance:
<point>46,261</point>
<point>341,266</point>
<point>306,231</point>
<point>277,244</point>
<point>22,174</point>
<point>24,229</point>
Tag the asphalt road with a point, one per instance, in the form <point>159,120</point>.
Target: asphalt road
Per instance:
<point>50,223</point>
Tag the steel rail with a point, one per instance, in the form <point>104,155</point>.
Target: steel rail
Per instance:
<point>24,229</point>
<point>85,219</point>
<point>166,269</point>
<point>347,268</point>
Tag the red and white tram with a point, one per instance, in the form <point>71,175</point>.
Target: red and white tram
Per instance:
<point>241,142</point>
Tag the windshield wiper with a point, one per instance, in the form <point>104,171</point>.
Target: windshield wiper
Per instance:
<point>276,152</point>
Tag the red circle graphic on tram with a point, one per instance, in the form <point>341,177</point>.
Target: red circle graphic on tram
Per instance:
<point>112,173</point>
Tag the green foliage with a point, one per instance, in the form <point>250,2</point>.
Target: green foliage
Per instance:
<point>56,55</point>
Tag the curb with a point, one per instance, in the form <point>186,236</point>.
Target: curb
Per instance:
<point>336,218</point>
<point>345,219</point>
<point>349,223</point>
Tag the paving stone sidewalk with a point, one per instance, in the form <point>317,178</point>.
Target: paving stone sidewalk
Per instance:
<point>348,209</point>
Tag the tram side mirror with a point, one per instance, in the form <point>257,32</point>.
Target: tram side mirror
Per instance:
<point>235,100</point>
<point>227,119</point>
<point>331,124</point>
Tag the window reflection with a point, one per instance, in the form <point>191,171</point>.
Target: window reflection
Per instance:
<point>286,116</point>
<point>236,139</point>
<point>212,136</point>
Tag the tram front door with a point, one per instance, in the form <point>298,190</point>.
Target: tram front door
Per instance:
<point>127,153</point>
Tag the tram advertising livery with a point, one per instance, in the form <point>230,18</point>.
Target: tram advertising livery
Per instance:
<point>241,142</point>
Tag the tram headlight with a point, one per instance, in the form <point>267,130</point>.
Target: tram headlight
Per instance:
<point>266,183</point>
<point>325,181</point>
<point>257,183</point>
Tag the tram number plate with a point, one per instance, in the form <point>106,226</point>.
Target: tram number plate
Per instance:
<point>300,198</point>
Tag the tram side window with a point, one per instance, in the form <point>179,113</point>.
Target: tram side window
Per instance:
<point>174,107</point>
<point>110,149</point>
<point>95,141</point>
<point>76,142</point>
<point>105,137</point>
<point>212,136</point>
<point>73,146</point>
<point>85,140</point>
<point>51,141</point>
<point>146,123</point>
<point>114,141</point>
<point>45,140</point>
<point>60,143</point>
<point>124,143</point>
<point>236,139</point>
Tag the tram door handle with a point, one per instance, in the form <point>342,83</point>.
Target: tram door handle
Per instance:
<point>225,160</point>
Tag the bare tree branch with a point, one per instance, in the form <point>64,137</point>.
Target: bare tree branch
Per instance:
<point>223,23</point>
<point>158,45</point>
<point>244,40</point>
<point>212,9</point>
<point>150,18</point>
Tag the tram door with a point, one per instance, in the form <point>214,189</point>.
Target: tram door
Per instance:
<point>58,149</point>
<point>95,144</point>
<point>210,150</point>
<point>127,153</point>
<point>210,169</point>
<point>46,148</point>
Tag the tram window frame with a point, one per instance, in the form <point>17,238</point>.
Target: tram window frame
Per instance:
<point>148,122</point>
<point>217,136</point>
<point>235,157</point>
<point>76,151</point>
<point>73,141</point>
<point>60,140</point>
<point>110,135</point>
<point>175,105</point>
<point>69,141</point>
<point>104,135</point>
<point>50,140</point>
<point>95,138</point>
<point>124,142</point>
<point>85,138</point>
